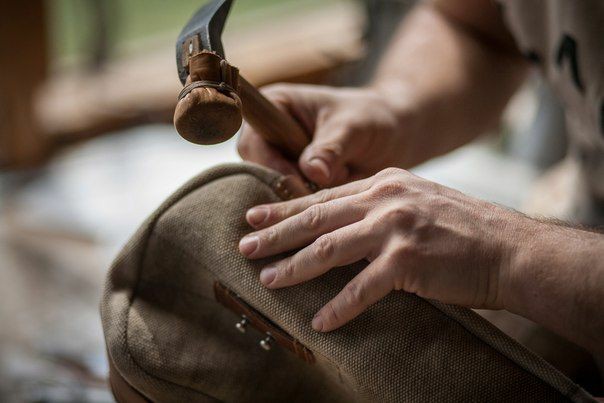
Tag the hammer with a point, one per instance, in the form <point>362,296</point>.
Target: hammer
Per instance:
<point>215,97</point>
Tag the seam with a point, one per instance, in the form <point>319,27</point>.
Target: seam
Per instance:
<point>574,392</point>
<point>194,258</point>
<point>140,265</point>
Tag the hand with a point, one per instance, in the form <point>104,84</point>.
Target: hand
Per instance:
<point>418,236</point>
<point>354,134</point>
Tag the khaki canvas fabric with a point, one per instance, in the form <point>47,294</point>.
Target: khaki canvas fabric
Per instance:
<point>171,341</point>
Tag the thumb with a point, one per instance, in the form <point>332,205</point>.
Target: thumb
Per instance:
<point>324,161</point>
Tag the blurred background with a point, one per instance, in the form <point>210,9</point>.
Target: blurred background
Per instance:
<point>87,151</point>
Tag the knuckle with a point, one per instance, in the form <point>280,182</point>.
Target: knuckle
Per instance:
<point>389,187</point>
<point>389,172</point>
<point>324,248</point>
<point>271,236</point>
<point>275,88</point>
<point>288,271</point>
<point>354,295</point>
<point>400,215</point>
<point>278,93</point>
<point>313,217</point>
<point>323,195</point>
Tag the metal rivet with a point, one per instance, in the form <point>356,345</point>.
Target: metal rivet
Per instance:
<point>242,324</point>
<point>267,343</point>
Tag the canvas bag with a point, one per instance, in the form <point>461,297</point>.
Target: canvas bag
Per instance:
<point>177,290</point>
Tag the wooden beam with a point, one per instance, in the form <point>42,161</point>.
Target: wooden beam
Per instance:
<point>23,67</point>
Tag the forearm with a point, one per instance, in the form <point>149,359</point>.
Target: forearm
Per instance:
<point>453,77</point>
<point>557,280</point>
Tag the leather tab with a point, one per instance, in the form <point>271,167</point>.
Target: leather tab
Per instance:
<point>235,304</point>
<point>208,66</point>
<point>290,187</point>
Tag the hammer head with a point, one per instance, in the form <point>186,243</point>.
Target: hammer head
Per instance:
<point>210,113</point>
<point>202,32</point>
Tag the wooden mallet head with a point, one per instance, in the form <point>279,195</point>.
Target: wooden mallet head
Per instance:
<point>209,107</point>
<point>215,97</point>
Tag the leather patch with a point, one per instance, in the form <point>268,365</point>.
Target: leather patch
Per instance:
<point>209,66</point>
<point>290,187</point>
<point>231,301</point>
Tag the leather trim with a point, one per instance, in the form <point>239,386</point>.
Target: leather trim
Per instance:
<point>290,187</point>
<point>210,67</point>
<point>231,301</point>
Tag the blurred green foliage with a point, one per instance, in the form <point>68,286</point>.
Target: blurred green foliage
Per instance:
<point>74,23</point>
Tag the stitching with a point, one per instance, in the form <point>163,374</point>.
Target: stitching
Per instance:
<point>148,234</point>
<point>574,390</point>
<point>135,289</point>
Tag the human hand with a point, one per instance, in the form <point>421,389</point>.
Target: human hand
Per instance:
<point>354,133</point>
<point>419,237</point>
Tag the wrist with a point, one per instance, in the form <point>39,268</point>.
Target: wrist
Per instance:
<point>545,255</point>
<point>523,246</point>
<point>556,279</point>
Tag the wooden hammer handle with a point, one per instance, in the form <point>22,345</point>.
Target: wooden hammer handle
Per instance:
<point>276,127</point>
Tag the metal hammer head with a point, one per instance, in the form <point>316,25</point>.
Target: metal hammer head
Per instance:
<point>202,32</point>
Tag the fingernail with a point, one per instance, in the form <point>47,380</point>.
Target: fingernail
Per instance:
<point>256,215</point>
<point>317,323</point>
<point>267,275</point>
<point>321,165</point>
<point>248,245</point>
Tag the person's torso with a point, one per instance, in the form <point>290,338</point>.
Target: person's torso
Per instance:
<point>565,39</point>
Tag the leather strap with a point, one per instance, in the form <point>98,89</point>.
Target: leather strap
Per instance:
<point>231,301</point>
<point>220,86</point>
<point>290,187</point>
<point>207,69</point>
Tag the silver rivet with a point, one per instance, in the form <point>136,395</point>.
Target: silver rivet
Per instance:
<point>190,48</point>
<point>267,343</point>
<point>242,324</point>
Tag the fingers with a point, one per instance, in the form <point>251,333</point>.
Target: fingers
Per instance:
<point>338,248</point>
<point>336,141</point>
<point>264,216</point>
<point>252,147</point>
<point>368,287</point>
<point>301,229</point>
<point>302,102</point>
<point>325,160</point>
